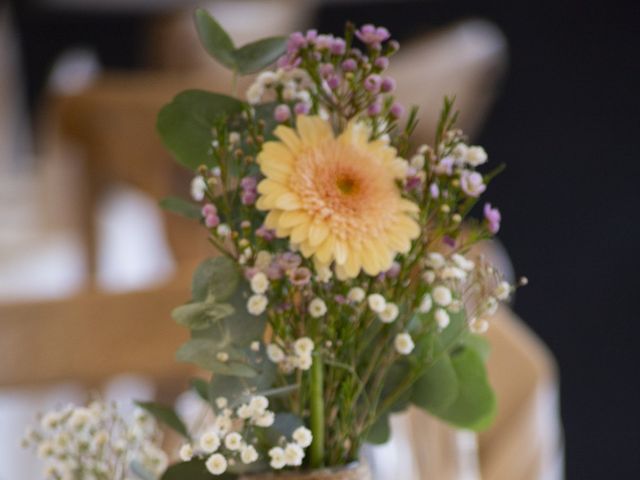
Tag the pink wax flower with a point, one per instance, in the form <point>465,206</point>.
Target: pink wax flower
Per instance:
<point>248,183</point>
<point>388,84</point>
<point>372,83</point>
<point>493,218</point>
<point>375,108</point>
<point>212,220</point>
<point>338,46</point>
<point>265,233</point>
<point>295,42</point>
<point>445,166</point>
<point>382,63</point>
<point>372,36</point>
<point>397,110</point>
<point>312,35</point>
<point>434,190</point>
<point>472,183</point>
<point>413,182</point>
<point>300,276</point>
<point>301,108</point>
<point>289,260</point>
<point>394,271</point>
<point>333,82</point>
<point>249,272</point>
<point>282,113</point>
<point>326,69</point>
<point>349,65</point>
<point>274,272</point>
<point>248,197</point>
<point>209,209</point>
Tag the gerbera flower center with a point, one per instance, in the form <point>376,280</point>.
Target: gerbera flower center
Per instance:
<point>347,184</point>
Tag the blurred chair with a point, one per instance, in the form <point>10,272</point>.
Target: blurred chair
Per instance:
<point>93,337</point>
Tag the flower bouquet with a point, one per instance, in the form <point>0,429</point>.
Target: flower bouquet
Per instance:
<point>343,288</point>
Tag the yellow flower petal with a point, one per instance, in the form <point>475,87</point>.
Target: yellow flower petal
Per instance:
<point>313,130</point>
<point>317,233</point>
<point>293,218</point>
<point>288,201</point>
<point>289,138</point>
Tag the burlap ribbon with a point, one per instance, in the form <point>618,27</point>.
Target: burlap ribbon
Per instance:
<point>356,471</point>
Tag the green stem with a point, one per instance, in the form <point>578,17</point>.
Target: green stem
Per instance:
<point>317,412</point>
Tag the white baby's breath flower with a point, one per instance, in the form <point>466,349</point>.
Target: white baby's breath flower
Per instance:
<point>245,411</point>
<point>259,283</point>
<point>302,436</point>
<point>442,318</point>
<point>317,308</point>
<point>221,402</point>
<point>442,295</point>
<point>460,151</point>
<point>216,464</point>
<point>198,187</point>
<point>404,343</point>
<point>259,404</point>
<point>275,353</point>
<point>303,362</point>
<point>277,458</point>
<point>303,346</point>
<point>356,295</point>
<point>223,230</point>
<point>435,260</point>
<point>490,306</point>
<point>234,138</point>
<point>50,420</point>
<point>186,452</point>
<point>503,290</point>
<point>293,454</point>
<point>377,303</point>
<point>267,78</point>
<point>255,346</point>
<point>288,364</point>
<point>248,454</point>
<point>254,93</point>
<point>417,161</point>
<point>257,304</point>
<point>453,273</point>
<point>463,262</point>
<point>390,313</point>
<point>429,276</point>
<point>46,449</point>
<point>324,274</point>
<point>425,304</point>
<point>265,420</point>
<point>479,326</point>
<point>209,442</point>
<point>233,441</point>
<point>475,156</point>
<point>80,418</point>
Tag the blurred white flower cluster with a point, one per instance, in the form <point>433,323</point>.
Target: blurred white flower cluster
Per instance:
<point>97,443</point>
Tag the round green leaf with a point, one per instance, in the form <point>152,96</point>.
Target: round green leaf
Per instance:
<point>255,56</point>
<point>214,38</point>
<point>185,125</point>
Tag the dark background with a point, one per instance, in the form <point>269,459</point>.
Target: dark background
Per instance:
<point>566,122</point>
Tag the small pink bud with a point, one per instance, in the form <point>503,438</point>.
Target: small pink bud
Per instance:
<point>374,109</point>
<point>372,83</point>
<point>282,113</point>
<point>382,63</point>
<point>338,46</point>
<point>212,220</point>
<point>333,82</point>
<point>209,209</point>
<point>301,108</point>
<point>349,65</point>
<point>388,84</point>
<point>248,197</point>
<point>326,69</point>
<point>397,110</point>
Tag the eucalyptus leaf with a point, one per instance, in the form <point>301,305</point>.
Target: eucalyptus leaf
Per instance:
<point>215,39</point>
<point>181,207</point>
<point>201,315</point>
<point>438,387</point>
<point>166,415</point>
<point>216,277</point>
<point>257,55</point>
<point>475,405</point>
<point>201,387</point>
<point>380,432</point>
<point>205,354</point>
<point>185,125</point>
<point>478,343</point>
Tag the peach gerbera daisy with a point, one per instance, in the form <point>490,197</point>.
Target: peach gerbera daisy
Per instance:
<point>336,198</point>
